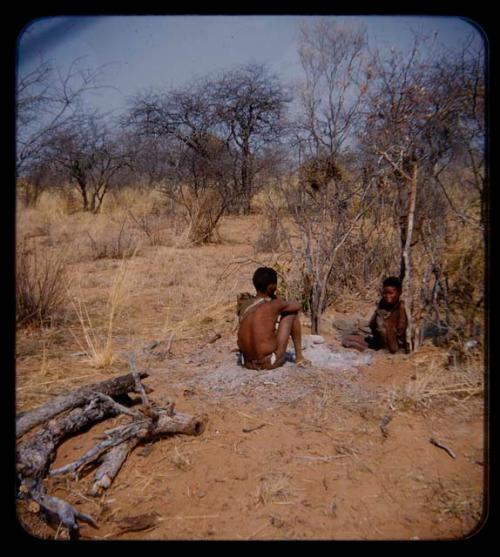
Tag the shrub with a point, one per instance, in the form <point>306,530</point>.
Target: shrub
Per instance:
<point>40,282</point>
<point>271,238</point>
<point>113,244</point>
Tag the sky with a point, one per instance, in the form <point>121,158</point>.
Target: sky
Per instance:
<point>160,52</point>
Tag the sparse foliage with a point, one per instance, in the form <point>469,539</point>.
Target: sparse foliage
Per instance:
<point>411,131</point>
<point>89,156</point>
<point>40,279</point>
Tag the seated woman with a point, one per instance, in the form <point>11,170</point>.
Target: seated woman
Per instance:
<point>388,324</point>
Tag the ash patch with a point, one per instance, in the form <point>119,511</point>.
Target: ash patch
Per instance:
<point>286,384</point>
<point>315,350</point>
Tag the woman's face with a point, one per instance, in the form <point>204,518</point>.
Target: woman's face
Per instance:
<point>390,295</point>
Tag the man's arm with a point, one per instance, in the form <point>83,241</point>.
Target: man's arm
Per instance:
<point>284,306</point>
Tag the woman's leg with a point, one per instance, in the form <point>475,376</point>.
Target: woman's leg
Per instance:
<point>357,342</point>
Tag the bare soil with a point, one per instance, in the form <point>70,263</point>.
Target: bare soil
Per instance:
<point>337,451</point>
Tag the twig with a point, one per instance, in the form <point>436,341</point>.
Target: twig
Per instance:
<point>138,385</point>
<point>122,409</point>
<point>58,530</point>
<point>169,345</point>
<point>444,447</point>
<point>195,517</point>
<point>258,531</point>
<point>321,458</point>
<point>249,429</point>
<point>383,425</point>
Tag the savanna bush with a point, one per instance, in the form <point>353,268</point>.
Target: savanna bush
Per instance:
<point>40,285</point>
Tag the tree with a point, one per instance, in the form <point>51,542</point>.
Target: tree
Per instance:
<point>90,156</point>
<point>332,93</point>
<point>325,204</point>
<point>325,217</point>
<point>243,109</point>
<point>198,173</point>
<point>410,130</point>
<point>47,99</point>
<point>249,106</point>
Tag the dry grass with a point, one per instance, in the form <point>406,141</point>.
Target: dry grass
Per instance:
<point>113,242</point>
<point>95,342</point>
<point>434,382</point>
<point>274,488</point>
<point>450,499</point>
<point>180,461</point>
<point>194,299</point>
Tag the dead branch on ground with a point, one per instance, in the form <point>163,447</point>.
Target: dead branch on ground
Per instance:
<point>71,414</point>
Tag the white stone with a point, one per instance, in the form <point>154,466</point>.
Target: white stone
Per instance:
<point>317,339</point>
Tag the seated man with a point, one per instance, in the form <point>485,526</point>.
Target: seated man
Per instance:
<point>388,323</point>
<point>261,343</point>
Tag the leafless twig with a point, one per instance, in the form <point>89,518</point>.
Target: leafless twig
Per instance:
<point>444,447</point>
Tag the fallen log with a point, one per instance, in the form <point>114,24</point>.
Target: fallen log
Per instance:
<point>111,387</point>
<point>35,454</point>
<point>57,509</point>
<point>144,430</point>
<point>111,464</point>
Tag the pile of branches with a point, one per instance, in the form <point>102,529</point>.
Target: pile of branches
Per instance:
<point>69,414</point>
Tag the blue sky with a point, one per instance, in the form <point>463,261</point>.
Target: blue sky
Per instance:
<point>141,52</point>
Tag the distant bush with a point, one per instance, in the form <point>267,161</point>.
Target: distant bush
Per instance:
<point>40,282</point>
<point>271,238</point>
<point>113,244</point>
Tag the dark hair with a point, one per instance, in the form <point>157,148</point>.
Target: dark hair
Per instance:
<point>393,281</point>
<point>263,277</point>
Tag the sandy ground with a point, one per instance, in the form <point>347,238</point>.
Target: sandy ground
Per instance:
<point>338,451</point>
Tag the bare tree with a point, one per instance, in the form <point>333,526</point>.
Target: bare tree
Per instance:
<point>40,175</point>
<point>411,129</point>
<point>249,105</point>
<point>46,100</point>
<point>324,220</point>
<point>331,96</point>
<point>90,155</point>
<point>198,171</point>
<point>461,78</point>
<point>325,204</point>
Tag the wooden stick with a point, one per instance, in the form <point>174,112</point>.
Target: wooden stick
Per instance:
<point>249,429</point>
<point>111,387</point>
<point>444,447</point>
<point>35,455</point>
<point>169,345</point>
<point>111,465</point>
<point>137,379</point>
<point>384,422</point>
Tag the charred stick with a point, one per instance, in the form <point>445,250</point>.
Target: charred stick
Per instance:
<point>444,447</point>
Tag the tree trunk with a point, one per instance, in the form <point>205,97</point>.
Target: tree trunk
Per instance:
<point>315,308</point>
<point>82,186</point>
<point>111,387</point>
<point>406,257</point>
<point>246,181</point>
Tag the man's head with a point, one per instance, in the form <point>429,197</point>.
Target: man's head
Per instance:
<point>391,290</point>
<point>265,280</point>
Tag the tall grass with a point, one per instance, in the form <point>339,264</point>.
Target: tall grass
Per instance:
<point>97,342</point>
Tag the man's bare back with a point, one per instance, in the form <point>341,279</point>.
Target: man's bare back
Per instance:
<point>257,336</point>
<point>261,343</point>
